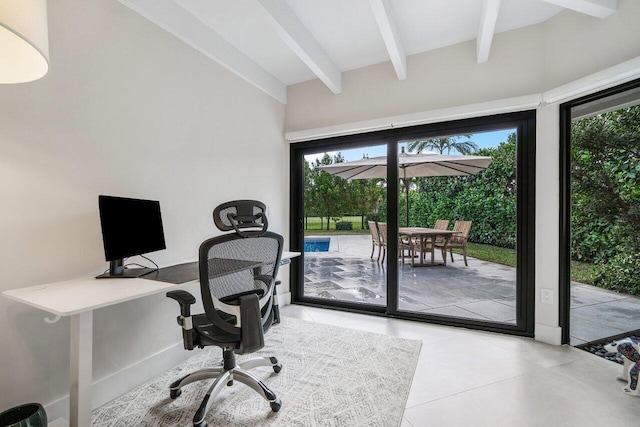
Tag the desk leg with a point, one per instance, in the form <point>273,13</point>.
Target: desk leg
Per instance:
<point>81,369</point>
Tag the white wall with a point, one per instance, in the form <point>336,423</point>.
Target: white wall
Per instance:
<point>528,61</point>
<point>126,109</point>
<point>437,79</point>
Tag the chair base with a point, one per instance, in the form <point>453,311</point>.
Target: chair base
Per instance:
<point>225,374</point>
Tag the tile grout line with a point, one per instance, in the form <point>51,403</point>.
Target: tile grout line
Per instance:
<point>465,391</point>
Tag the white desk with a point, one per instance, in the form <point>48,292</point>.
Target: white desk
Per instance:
<point>77,299</point>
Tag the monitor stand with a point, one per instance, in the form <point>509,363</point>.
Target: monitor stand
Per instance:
<point>118,271</point>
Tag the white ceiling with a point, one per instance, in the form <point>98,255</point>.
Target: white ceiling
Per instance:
<point>276,43</point>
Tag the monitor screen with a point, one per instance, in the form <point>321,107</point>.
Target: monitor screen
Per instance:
<point>130,226</point>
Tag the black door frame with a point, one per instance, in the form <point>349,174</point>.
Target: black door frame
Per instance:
<point>524,122</point>
<point>565,199</point>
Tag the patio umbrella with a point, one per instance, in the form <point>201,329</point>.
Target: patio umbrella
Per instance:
<point>410,166</point>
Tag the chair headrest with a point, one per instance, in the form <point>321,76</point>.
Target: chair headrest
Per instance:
<point>240,215</point>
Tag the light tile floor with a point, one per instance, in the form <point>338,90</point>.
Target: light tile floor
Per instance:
<point>483,290</point>
<point>473,378</point>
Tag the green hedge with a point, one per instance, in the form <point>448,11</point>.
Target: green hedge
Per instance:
<point>605,197</point>
<point>488,199</point>
<point>344,225</point>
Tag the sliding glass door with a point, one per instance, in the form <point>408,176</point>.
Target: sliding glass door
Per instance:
<point>450,241</point>
<point>600,217</point>
<point>457,204</point>
<point>343,206</point>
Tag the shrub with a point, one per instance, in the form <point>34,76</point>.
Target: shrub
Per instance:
<point>621,273</point>
<point>371,217</point>
<point>344,225</point>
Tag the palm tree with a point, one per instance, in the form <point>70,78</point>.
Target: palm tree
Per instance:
<point>444,143</point>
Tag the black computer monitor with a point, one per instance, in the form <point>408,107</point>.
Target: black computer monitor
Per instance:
<point>129,227</point>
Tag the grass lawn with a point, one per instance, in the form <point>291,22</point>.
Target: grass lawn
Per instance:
<point>314,223</point>
<point>580,271</point>
<point>504,256</point>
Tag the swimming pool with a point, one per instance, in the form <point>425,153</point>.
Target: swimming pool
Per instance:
<point>316,244</point>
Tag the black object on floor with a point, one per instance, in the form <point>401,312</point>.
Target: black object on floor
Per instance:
<point>28,415</point>
<point>597,347</point>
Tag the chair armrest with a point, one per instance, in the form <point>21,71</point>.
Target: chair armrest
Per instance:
<point>185,299</point>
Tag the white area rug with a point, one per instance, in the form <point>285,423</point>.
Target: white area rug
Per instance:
<point>331,376</point>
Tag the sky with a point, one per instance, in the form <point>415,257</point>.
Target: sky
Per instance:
<point>482,140</point>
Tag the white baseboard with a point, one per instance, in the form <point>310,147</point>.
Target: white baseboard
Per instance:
<point>106,389</point>
<point>284,299</point>
<point>548,334</point>
<point>59,422</point>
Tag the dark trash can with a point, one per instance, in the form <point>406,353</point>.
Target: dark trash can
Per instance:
<point>28,415</point>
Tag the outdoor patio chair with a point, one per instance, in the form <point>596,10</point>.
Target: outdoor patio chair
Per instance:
<point>406,244</point>
<point>375,238</point>
<point>382,231</point>
<point>441,224</point>
<point>457,240</point>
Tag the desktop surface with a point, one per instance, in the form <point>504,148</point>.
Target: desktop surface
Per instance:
<point>81,295</point>
<point>77,296</point>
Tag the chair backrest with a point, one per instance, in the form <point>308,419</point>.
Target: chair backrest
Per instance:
<point>239,215</point>
<point>464,227</point>
<point>382,229</point>
<point>237,280</point>
<point>373,228</point>
<point>441,224</point>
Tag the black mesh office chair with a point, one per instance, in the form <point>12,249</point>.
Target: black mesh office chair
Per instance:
<point>237,283</point>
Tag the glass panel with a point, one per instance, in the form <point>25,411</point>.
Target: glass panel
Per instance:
<point>457,226</point>
<point>605,220</point>
<point>344,199</point>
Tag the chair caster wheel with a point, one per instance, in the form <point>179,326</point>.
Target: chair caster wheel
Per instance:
<point>276,405</point>
<point>277,368</point>
<point>175,393</point>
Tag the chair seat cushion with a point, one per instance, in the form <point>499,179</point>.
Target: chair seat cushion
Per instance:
<point>209,334</point>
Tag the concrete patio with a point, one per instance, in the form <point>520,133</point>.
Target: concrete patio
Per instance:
<point>483,290</point>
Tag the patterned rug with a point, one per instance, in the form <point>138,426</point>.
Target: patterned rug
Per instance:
<point>332,376</point>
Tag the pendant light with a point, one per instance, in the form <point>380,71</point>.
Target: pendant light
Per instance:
<point>24,43</point>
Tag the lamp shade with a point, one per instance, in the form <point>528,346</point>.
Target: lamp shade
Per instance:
<point>24,43</point>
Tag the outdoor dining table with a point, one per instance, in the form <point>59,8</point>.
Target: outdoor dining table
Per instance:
<point>427,235</point>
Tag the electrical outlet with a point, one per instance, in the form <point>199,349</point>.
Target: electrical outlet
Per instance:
<point>547,296</point>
